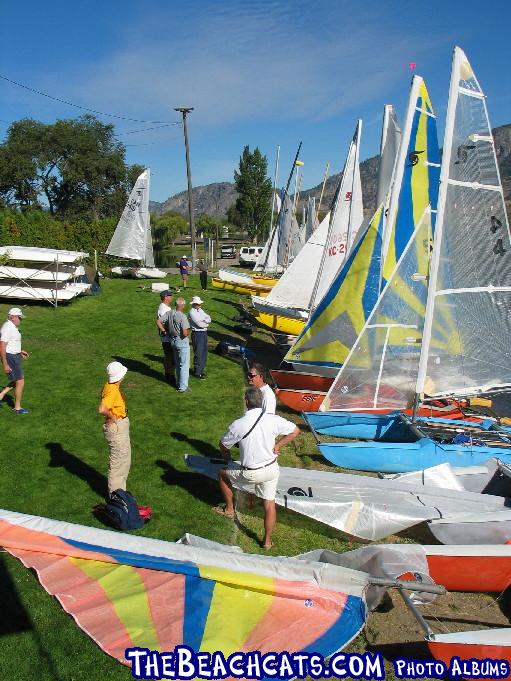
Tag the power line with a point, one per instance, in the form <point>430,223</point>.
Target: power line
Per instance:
<point>76,106</point>
<point>156,127</point>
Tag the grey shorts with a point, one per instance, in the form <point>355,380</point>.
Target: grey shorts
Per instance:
<point>14,361</point>
<point>263,480</point>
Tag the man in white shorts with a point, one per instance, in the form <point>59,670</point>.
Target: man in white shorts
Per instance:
<point>256,434</point>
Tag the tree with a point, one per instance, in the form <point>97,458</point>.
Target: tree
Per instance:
<point>208,225</point>
<point>251,211</point>
<point>74,167</point>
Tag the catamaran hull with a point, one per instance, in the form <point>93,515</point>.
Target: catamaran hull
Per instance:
<point>298,400</point>
<point>404,457</point>
<point>268,307</point>
<point>247,289</point>
<point>487,528</point>
<point>485,646</point>
<point>296,380</point>
<point>470,567</point>
<point>322,369</point>
<point>292,327</point>
<point>233,277</point>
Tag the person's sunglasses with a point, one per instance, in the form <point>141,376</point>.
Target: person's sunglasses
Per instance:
<point>252,375</point>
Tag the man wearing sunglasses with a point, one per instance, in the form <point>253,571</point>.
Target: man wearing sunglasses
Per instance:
<point>256,379</point>
<point>256,433</point>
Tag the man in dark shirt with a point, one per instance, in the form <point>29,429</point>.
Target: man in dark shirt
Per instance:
<point>183,270</point>
<point>203,273</point>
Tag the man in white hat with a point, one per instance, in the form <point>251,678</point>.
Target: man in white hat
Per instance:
<point>116,427</point>
<point>11,355</point>
<point>199,322</point>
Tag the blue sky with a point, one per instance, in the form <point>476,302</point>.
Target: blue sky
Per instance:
<point>261,73</point>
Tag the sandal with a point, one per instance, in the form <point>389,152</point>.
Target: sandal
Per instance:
<point>221,511</point>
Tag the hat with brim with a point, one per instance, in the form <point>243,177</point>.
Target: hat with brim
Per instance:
<point>116,371</point>
<point>15,312</point>
<point>196,300</point>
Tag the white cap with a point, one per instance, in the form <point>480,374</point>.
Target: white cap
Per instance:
<point>116,371</point>
<point>197,301</point>
<point>15,312</point>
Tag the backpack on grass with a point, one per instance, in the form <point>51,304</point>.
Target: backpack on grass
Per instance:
<point>121,511</point>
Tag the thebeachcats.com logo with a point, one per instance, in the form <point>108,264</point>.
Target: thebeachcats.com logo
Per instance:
<point>185,663</point>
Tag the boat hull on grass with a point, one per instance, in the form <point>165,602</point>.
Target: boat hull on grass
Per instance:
<point>296,380</point>
<point>247,289</point>
<point>404,457</point>
<point>298,400</point>
<point>292,327</point>
<point>485,646</point>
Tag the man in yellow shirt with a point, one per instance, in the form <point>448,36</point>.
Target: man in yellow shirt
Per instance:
<point>116,427</point>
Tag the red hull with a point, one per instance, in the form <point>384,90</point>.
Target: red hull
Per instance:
<point>471,573</point>
<point>294,380</point>
<point>468,651</point>
<point>301,400</point>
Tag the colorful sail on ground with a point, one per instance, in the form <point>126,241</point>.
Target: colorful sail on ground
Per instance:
<point>416,176</point>
<point>127,591</point>
<point>132,237</point>
<point>471,263</point>
<point>335,324</point>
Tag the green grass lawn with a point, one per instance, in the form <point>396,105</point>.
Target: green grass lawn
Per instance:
<point>54,460</point>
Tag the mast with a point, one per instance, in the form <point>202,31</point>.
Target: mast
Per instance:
<point>327,171</point>
<point>273,197</point>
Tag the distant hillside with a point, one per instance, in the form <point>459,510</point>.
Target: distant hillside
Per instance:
<point>215,199</point>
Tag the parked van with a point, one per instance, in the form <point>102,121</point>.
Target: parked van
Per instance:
<point>249,255</point>
<point>228,251</point>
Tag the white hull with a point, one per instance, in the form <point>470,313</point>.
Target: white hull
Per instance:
<point>48,294</point>
<point>271,308</point>
<point>234,277</point>
<point>149,273</point>
<point>31,274</point>
<point>29,254</point>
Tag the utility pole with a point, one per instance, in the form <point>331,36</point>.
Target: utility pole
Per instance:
<point>185,111</point>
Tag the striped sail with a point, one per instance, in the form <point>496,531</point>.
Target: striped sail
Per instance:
<point>416,177</point>
<point>132,236</point>
<point>127,591</point>
<point>470,283</point>
<point>336,322</point>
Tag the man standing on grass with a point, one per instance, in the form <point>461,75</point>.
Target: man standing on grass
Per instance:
<point>183,270</point>
<point>256,377</point>
<point>178,328</point>
<point>163,310</point>
<point>199,322</point>
<point>203,273</point>
<point>116,427</point>
<point>256,434</point>
<point>11,355</point>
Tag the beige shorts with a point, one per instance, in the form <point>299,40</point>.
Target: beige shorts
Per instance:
<point>263,480</point>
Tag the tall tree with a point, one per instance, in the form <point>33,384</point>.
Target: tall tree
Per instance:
<point>252,208</point>
<point>74,167</point>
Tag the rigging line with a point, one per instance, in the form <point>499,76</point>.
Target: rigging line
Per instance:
<point>156,127</point>
<point>76,106</point>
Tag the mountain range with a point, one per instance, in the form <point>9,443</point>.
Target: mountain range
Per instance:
<point>215,199</point>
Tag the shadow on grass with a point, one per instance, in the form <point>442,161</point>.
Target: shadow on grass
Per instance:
<point>200,446</point>
<point>200,487</point>
<point>16,618</point>
<point>59,458</point>
<point>140,367</point>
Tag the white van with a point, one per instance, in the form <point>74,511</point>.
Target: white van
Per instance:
<point>249,255</point>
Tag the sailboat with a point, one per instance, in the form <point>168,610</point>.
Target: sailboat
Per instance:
<point>309,276</point>
<point>132,237</point>
<point>452,336</point>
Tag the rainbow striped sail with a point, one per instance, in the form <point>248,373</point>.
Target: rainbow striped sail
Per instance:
<point>127,591</point>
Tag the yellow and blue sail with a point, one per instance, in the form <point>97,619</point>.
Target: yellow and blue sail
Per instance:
<point>158,595</point>
<point>336,322</point>
<point>419,185</point>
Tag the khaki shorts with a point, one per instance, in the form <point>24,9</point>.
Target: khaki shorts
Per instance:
<point>264,480</point>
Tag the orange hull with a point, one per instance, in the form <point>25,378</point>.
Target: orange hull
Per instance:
<point>295,380</point>
<point>471,573</point>
<point>468,651</point>
<point>301,400</point>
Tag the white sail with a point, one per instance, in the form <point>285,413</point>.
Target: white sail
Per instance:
<point>470,286</point>
<point>294,288</point>
<point>390,141</point>
<point>132,236</point>
<point>311,220</point>
<point>268,261</point>
<point>345,220</point>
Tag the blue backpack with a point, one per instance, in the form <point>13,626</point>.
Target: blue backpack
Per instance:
<point>121,511</point>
